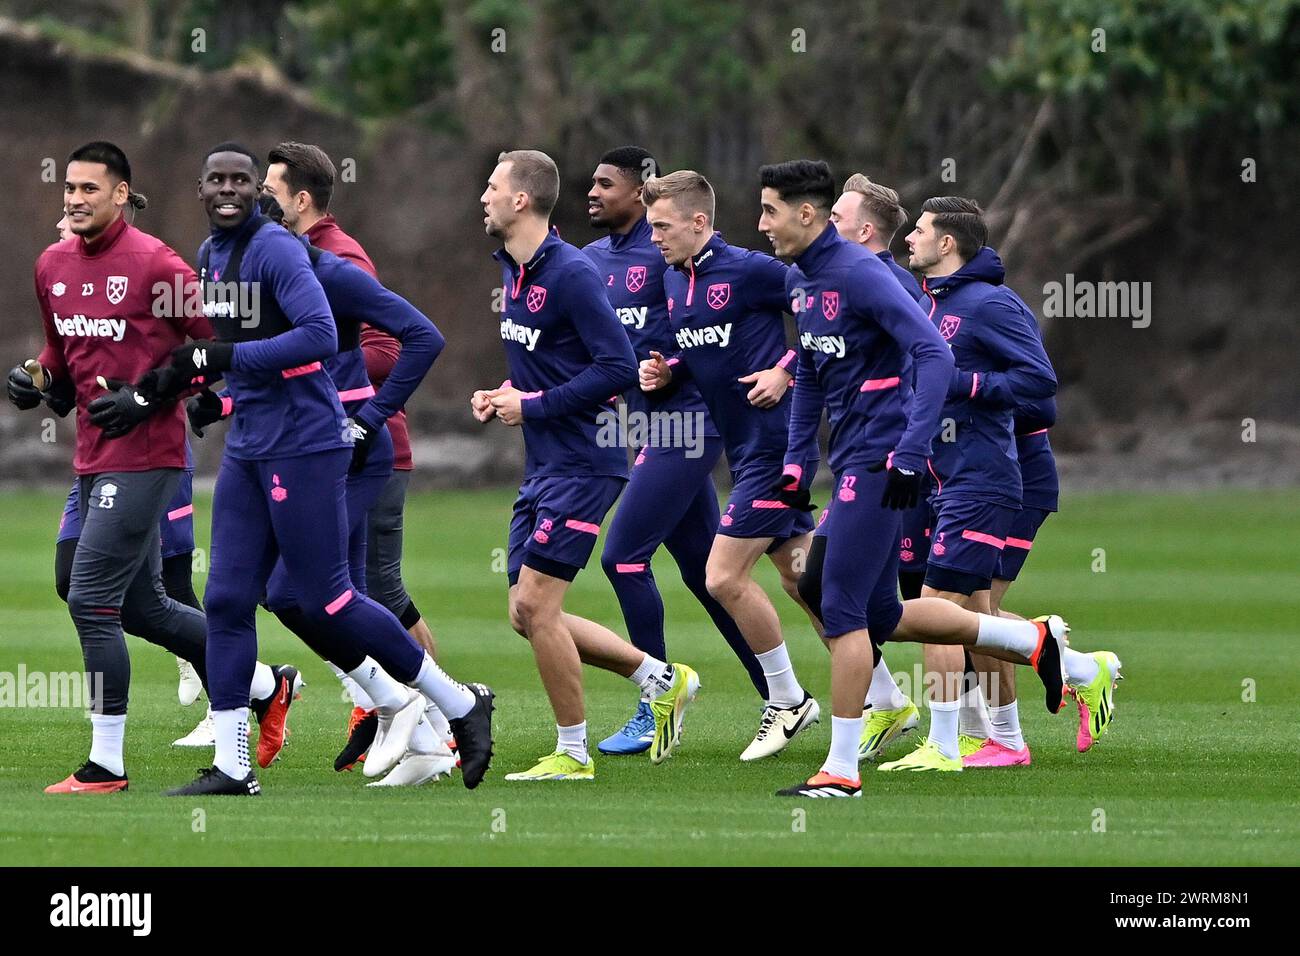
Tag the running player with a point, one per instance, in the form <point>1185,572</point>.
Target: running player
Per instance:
<point>855,324</point>
<point>670,498</point>
<point>567,355</point>
<point>281,489</point>
<point>870,215</point>
<point>977,489</point>
<point>354,295</point>
<point>725,304</point>
<point>177,529</point>
<point>130,453</point>
<point>301,178</point>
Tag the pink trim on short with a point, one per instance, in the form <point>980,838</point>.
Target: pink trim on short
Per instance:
<point>983,538</point>
<point>758,503</point>
<point>1041,431</point>
<point>629,568</point>
<point>301,370</point>
<point>1020,543</point>
<point>586,526</point>
<point>339,602</point>
<point>227,406</point>
<point>937,483</point>
<point>356,394</point>
<point>879,384</point>
<point>180,513</point>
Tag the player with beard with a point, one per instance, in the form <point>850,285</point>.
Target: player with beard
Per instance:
<point>670,498</point>
<point>176,528</point>
<point>96,292</point>
<point>856,324</point>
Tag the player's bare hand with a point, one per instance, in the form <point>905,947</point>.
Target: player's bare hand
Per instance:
<point>480,403</point>
<point>508,404</point>
<point>654,373</point>
<point>769,386</point>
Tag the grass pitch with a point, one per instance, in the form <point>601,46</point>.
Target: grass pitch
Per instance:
<point>1198,597</point>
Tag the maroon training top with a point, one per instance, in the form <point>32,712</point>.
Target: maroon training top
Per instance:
<point>117,309</point>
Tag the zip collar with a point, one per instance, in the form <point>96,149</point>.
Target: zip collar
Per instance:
<point>107,239</point>
<point>819,251</point>
<point>530,267</point>
<point>638,235</point>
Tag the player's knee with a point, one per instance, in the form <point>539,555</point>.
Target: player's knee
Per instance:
<point>521,613</point>
<point>222,603</point>
<point>723,584</point>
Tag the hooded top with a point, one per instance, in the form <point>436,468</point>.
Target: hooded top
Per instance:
<point>1001,365</point>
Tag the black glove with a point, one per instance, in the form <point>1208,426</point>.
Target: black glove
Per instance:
<point>270,208</point>
<point>61,397</point>
<point>902,487</point>
<point>363,440</point>
<point>203,358</point>
<point>788,492</point>
<point>204,409</point>
<point>120,409</point>
<point>22,390</point>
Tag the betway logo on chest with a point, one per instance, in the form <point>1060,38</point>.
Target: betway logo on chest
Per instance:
<point>79,325</point>
<point>718,335</point>
<point>634,317</point>
<point>525,335</point>
<point>826,344</point>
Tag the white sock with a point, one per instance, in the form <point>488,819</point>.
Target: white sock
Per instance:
<point>355,694</point>
<point>437,720</point>
<point>883,694</point>
<point>263,685</point>
<point>106,732</point>
<point>783,688</point>
<point>380,690</point>
<point>453,698</point>
<point>973,718</point>
<point>842,761</point>
<point>573,741</point>
<point>231,730</point>
<point>1007,634</point>
<point>1006,726</point>
<point>943,726</point>
<point>1080,669</point>
<point>653,676</point>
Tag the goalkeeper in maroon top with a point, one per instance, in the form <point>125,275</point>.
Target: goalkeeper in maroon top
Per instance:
<point>105,325</point>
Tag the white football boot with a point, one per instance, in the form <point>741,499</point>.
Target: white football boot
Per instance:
<point>204,735</point>
<point>393,736</point>
<point>188,690</point>
<point>779,725</point>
